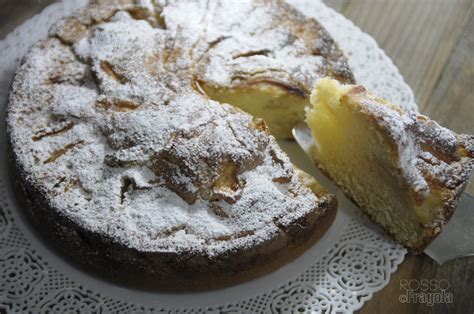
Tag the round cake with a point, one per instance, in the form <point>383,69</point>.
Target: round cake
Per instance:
<point>130,142</point>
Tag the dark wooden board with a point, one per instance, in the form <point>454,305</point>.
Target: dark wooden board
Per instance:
<point>432,43</point>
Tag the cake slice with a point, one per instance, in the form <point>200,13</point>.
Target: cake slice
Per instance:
<point>404,170</point>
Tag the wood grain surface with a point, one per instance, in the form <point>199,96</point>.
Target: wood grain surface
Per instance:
<point>432,43</point>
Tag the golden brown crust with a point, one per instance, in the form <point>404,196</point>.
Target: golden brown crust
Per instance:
<point>183,272</point>
<point>445,160</point>
<point>431,164</point>
<point>95,114</point>
<point>321,54</point>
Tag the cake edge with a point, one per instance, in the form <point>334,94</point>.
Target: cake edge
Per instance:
<point>448,211</point>
<point>107,259</point>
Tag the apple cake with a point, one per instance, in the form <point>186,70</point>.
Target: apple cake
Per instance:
<point>404,170</point>
<point>129,140</point>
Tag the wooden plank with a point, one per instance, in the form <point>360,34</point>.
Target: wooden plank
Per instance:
<point>387,300</point>
<point>338,5</point>
<point>13,13</point>
<point>419,39</point>
<point>452,104</point>
<point>457,273</point>
<point>418,35</point>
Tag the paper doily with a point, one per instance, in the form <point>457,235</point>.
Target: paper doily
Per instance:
<point>352,261</point>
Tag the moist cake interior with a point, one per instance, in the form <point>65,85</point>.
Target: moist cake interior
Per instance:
<point>358,152</point>
<point>281,107</point>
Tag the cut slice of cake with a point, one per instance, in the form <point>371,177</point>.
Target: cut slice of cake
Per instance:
<point>404,170</point>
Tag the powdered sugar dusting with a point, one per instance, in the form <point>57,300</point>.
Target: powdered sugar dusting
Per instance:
<point>428,154</point>
<point>105,122</point>
<point>241,42</point>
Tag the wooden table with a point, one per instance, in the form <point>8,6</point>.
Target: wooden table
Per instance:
<point>432,43</point>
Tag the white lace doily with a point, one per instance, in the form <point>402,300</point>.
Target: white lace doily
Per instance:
<point>342,271</point>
